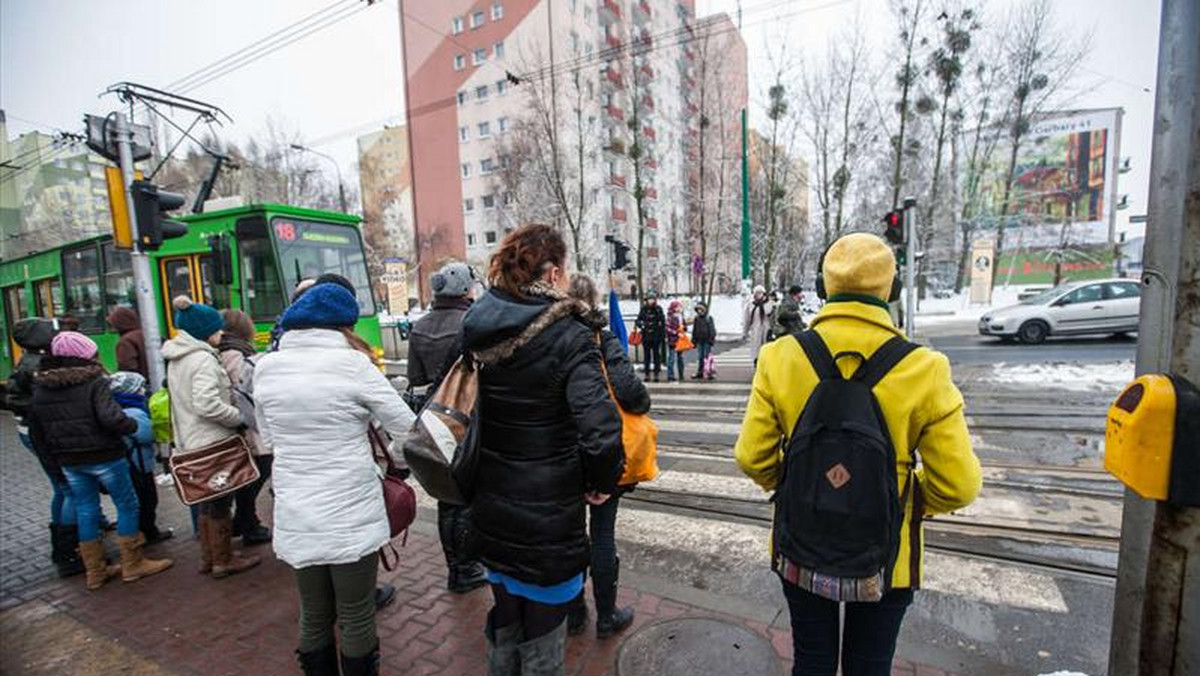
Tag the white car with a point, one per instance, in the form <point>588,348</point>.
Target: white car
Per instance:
<point>1107,306</point>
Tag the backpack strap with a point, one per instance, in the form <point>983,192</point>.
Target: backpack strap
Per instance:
<point>818,355</point>
<point>885,358</point>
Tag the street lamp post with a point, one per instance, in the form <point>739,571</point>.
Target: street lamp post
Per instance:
<point>341,186</point>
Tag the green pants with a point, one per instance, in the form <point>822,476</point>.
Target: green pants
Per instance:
<point>344,593</point>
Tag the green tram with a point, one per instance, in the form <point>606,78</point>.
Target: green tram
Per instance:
<point>247,258</point>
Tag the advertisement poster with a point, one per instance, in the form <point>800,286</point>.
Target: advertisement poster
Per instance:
<point>982,253</point>
<point>395,277</point>
<point>1062,201</point>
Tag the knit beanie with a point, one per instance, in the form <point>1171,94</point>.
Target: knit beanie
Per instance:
<point>126,382</point>
<point>859,263</point>
<point>73,344</point>
<point>324,306</point>
<point>196,319</point>
<point>454,280</point>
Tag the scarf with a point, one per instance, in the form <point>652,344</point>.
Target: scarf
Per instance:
<point>131,400</point>
<point>232,342</point>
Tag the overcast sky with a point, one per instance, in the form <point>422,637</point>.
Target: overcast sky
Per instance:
<point>346,79</point>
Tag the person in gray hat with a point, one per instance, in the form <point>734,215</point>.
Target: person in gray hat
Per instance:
<point>433,347</point>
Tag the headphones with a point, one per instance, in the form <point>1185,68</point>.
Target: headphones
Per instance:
<point>893,295</point>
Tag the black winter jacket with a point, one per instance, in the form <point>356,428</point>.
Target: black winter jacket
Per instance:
<point>704,330</point>
<point>550,433</point>
<point>34,336</point>
<point>436,341</point>
<point>632,394</point>
<point>652,322</point>
<point>74,419</point>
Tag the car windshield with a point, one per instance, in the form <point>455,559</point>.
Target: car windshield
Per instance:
<point>1048,295</point>
<point>308,250</point>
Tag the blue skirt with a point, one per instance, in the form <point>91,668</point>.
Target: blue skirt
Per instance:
<point>554,595</point>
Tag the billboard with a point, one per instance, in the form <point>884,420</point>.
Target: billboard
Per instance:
<point>1064,183</point>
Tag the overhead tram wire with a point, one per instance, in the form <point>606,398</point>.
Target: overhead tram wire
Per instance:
<point>55,154</point>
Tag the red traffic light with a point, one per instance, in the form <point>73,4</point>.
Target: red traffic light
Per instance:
<point>893,230</point>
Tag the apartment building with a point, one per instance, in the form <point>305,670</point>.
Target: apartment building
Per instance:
<point>491,84</point>
<point>386,183</point>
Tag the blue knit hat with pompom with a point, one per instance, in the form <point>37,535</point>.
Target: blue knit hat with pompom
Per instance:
<point>324,306</point>
<point>196,319</point>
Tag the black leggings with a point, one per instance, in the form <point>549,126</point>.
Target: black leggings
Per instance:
<point>536,619</point>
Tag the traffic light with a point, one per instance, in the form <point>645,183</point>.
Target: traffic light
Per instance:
<point>151,204</point>
<point>620,255</point>
<point>893,224</point>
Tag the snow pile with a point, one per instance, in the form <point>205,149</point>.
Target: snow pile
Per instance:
<point>726,312</point>
<point>959,306</point>
<point>1097,377</point>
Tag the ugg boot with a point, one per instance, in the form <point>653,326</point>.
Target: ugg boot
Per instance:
<point>202,528</point>
<point>503,658</point>
<point>319,662</point>
<point>609,618</point>
<point>134,565</point>
<point>98,570</point>
<point>546,654</point>
<point>367,665</point>
<point>577,615</point>
<point>225,561</point>
<point>64,550</point>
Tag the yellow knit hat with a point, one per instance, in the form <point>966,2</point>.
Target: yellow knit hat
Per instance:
<point>859,263</point>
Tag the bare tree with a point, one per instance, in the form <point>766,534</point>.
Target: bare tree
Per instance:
<point>1041,59</point>
<point>908,18</point>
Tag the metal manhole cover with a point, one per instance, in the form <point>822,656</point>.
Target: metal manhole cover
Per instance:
<point>696,646</point>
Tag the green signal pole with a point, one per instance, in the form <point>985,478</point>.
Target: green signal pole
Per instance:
<point>745,203</point>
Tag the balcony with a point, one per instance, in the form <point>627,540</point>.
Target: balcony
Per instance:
<point>649,133</point>
<point>617,181</point>
<point>651,193</point>
<point>652,252</point>
<point>619,215</point>
<point>646,104</point>
<point>647,70</point>
<point>615,146</point>
<point>616,112</point>
<point>610,11</point>
<point>612,77</point>
<point>652,223</point>
<point>641,11</point>
<point>651,163</point>
<point>612,39</point>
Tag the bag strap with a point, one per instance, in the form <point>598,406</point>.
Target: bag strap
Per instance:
<point>884,360</point>
<point>379,448</point>
<point>818,355</point>
<point>612,394</point>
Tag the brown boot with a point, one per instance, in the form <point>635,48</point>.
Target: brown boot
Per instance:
<point>225,561</point>
<point>205,545</point>
<point>98,570</point>
<point>134,565</point>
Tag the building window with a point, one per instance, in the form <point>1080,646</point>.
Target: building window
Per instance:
<point>464,134</point>
<point>476,19</point>
<point>470,239</point>
<point>485,129</point>
<point>456,25</point>
<point>503,124</point>
<point>489,201</point>
<point>574,5</point>
<point>507,198</point>
<point>487,166</point>
<point>505,161</point>
<point>479,56</point>
<point>497,11</point>
<point>501,87</point>
<point>574,42</point>
<point>481,93</point>
<point>460,62</point>
<point>489,237</point>
<point>462,97</point>
<point>498,50</point>
<point>469,204</point>
<point>466,170</point>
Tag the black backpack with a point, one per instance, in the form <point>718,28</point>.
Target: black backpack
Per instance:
<point>837,512</point>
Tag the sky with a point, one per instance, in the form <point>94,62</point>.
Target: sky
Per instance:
<point>346,78</point>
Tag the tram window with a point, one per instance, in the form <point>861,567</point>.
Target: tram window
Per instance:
<point>119,288</point>
<point>262,294</point>
<point>81,279</point>
<point>48,297</point>
<point>308,250</point>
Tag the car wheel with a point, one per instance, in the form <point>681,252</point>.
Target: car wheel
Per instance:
<point>1033,332</point>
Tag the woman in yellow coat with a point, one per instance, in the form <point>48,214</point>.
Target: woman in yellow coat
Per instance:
<point>923,411</point>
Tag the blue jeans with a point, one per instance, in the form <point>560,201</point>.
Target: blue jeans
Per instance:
<point>867,643</point>
<point>674,363</point>
<point>704,349</point>
<point>62,508</point>
<point>85,482</point>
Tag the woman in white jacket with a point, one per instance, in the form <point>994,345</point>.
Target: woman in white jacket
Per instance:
<point>314,399</point>
<point>202,413</point>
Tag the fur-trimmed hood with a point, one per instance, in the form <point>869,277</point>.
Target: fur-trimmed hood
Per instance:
<point>499,324</point>
<point>59,373</point>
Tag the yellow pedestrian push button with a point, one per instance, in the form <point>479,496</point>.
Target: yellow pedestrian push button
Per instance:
<point>1152,440</point>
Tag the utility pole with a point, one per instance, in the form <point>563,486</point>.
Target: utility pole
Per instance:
<point>122,137</point>
<point>745,187</point>
<point>910,265</point>
<point>1156,622</point>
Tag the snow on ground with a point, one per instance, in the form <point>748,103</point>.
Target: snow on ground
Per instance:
<point>726,312</point>
<point>1099,377</point>
<point>959,307</point>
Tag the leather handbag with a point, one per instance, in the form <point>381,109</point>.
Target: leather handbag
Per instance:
<point>639,436</point>
<point>442,449</point>
<point>399,499</point>
<point>213,471</point>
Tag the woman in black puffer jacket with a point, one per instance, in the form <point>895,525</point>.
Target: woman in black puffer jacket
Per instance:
<point>551,438</point>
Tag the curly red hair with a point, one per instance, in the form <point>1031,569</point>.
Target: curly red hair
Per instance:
<point>523,257</point>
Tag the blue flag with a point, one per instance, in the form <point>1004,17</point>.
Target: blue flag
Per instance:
<point>616,323</point>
